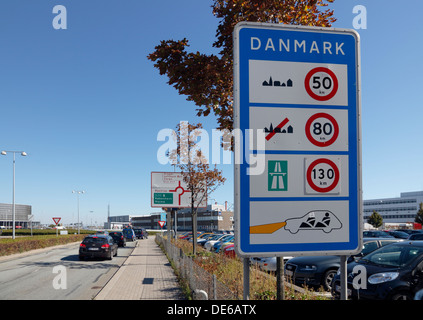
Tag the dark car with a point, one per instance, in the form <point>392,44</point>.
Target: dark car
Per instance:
<point>141,233</point>
<point>415,236</point>
<point>118,238</point>
<point>376,234</point>
<point>394,272</point>
<point>98,246</point>
<point>397,234</point>
<point>320,270</point>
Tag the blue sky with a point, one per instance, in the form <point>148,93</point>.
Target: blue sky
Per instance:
<point>87,105</point>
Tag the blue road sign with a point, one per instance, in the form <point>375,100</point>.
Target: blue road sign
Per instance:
<point>297,114</point>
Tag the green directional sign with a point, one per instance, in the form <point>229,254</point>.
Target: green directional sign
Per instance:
<point>277,175</point>
<point>163,198</point>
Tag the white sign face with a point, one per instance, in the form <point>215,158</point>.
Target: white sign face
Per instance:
<point>168,190</point>
<point>299,88</point>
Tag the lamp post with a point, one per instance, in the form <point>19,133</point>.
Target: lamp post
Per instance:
<point>4,152</point>
<point>78,192</point>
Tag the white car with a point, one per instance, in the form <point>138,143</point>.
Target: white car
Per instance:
<point>267,263</point>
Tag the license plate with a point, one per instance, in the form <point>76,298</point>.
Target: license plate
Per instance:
<point>93,249</point>
<point>338,289</point>
<point>289,273</point>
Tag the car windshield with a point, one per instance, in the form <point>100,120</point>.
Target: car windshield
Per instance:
<point>90,240</point>
<point>393,256</point>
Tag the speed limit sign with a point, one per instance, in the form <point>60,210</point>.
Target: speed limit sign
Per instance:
<point>323,176</point>
<point>321,84</point>
<point>322,129</point>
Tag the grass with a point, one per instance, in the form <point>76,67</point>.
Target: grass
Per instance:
<point>21,243</point>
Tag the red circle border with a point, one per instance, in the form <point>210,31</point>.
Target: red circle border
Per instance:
<point>311,93</point>
<point>310,181</point>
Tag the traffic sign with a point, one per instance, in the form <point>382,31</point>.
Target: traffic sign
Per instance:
<point>169,190</point>
<point>161,224</point>
<point>299,88</point>
<point>56,220</point>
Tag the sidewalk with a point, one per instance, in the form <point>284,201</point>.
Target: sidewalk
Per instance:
<point>145,275</point>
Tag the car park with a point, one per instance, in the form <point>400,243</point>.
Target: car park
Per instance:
<point>98,246</point>
<point>320,270</point>
<point>118,238</point>
<point>393,272</point>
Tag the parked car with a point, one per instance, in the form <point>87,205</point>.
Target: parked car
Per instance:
<point>118,238</point>
<point>411,231</point>
<point>98,246</point>
<point>394,272</point>
<point>141,233</point>
<point>415,236</point>
<point>229,250</point>
<point>267,263</point>
<point>320,270</point>
<point>225,241</point>
<point>376,234</point>
<point>204,239</point>
<point>220,237</point>
<point>397,234</point>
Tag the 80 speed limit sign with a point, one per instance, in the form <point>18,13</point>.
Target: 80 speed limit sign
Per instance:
<point>322,129</point>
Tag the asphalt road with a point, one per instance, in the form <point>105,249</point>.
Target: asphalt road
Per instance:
<point>56,274</point>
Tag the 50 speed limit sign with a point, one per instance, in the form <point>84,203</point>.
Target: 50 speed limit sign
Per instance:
<point>321,84</point>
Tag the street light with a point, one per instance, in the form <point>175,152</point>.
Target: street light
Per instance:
<point>78,192</point>
<point>23,153</point>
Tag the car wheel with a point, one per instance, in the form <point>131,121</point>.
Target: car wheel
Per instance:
<point>402,295</point>
<point>327,279</point>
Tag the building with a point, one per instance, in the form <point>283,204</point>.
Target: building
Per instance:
<point>118,222</point>
<point>22,215</point>
<point>213,218</point>
<point>395,210</point>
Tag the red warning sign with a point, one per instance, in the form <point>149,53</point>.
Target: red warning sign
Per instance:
<point>56,220</point>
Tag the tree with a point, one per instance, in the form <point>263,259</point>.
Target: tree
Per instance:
<point>207,80</point>
<point>419,215</point>
<point>375,219</point>
<point>201,180</point>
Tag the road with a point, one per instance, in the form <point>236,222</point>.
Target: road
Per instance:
<point>57,274</point>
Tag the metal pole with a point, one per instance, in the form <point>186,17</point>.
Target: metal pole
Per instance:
<point>77,196</point>
<point>280,283</point>
<point>344,278</point>
<point>246,293</point>
<point>13,200</point>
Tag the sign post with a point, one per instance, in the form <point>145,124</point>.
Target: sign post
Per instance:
<point>56,221</point>
<point>300,87</point>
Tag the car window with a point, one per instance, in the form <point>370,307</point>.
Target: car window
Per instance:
<point>91,240</point>
<point>394,256</point>
<point>386,242</point>
<point>369,247</point>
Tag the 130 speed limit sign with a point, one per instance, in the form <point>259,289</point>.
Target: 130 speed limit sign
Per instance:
<point>322,176</point>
